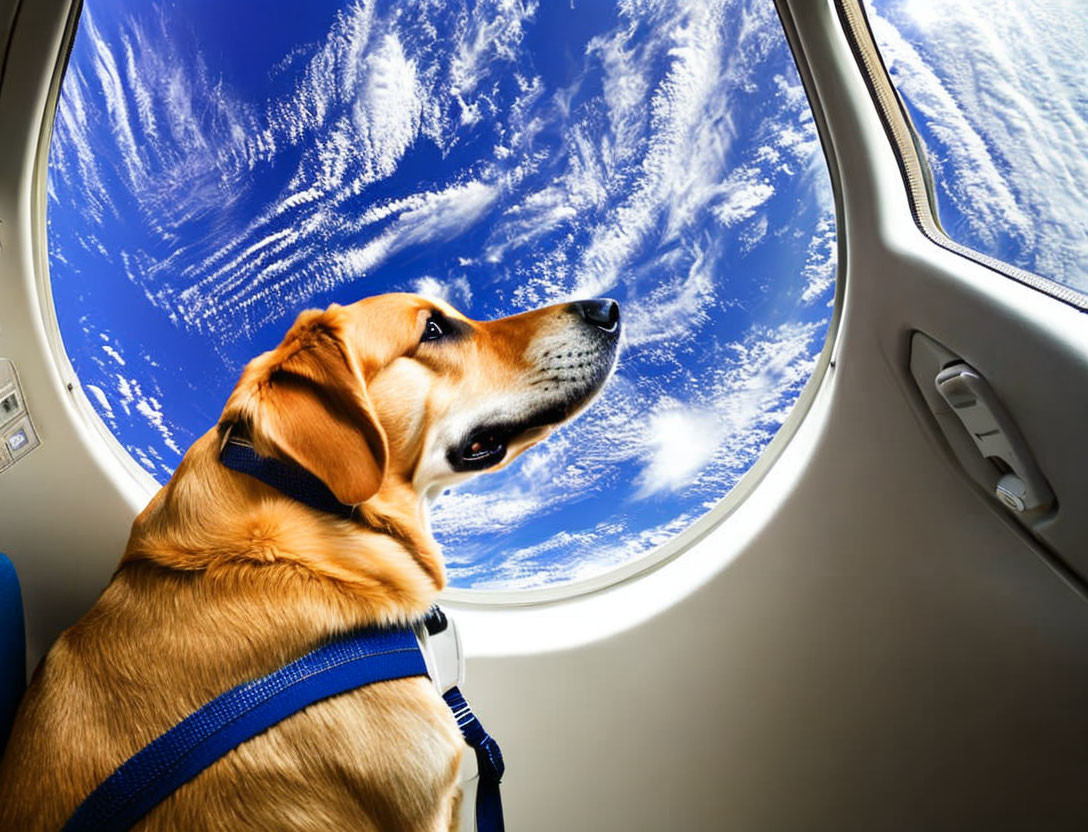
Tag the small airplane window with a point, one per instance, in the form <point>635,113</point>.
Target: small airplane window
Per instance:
<point>998,95</point>
<point>217,167</point>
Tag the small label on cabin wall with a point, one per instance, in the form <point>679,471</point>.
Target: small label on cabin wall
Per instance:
<point>17,434</point>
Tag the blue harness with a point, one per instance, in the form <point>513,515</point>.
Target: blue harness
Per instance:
<point>353,661</point>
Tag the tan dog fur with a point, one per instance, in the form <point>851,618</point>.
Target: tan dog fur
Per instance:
<point>225,579</point>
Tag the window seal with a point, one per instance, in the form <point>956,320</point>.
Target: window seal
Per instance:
<point>913,165</point>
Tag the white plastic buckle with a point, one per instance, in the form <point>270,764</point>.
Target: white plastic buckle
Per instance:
<point>446,667</point>
<point>443,655</point>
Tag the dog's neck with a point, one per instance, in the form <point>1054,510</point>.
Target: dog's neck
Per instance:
<point>397,511</point>
<point>211,518</point>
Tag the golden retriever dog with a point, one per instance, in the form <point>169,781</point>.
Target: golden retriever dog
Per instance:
<point>388,401</point>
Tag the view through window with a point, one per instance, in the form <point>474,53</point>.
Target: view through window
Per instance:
<point>998,93</point>
<point>217,167</point>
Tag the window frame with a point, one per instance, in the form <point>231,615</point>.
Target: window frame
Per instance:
<point>482,599</point>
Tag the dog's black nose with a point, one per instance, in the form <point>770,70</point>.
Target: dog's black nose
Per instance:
<point>603,313</point>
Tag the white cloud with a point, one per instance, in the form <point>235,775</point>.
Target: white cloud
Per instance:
<point>676,307</point>
<point>150,408</point>
<point>684,153</point>
<point>455,291</point>
<point>114,354</point>
<point>374,87</point>
<point>579,189</point>
<point>494,34</point>
<point>387,116</point>
<point>474,513</point>
<point>821,260</point>
<point>441,216</point>
<point>104,406</point>
<point>983,191</point>
<point>109,79</point>
<point>681,442</point>
<point>707,439</point>
<point>626,88</point>
<point>568,556</point>
<point>741,195</point>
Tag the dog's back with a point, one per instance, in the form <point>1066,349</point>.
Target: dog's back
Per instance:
<point>133,667</point>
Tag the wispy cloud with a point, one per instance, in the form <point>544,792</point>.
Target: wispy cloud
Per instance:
<point>568,556</point>
<point>683,156</point>
<point>367,95</point>
<point>456,291</point>
<point>441,216</point>
<point>682,302</point>
<point>742,194</point>
<point>821,260</point>
<point>128,395</point>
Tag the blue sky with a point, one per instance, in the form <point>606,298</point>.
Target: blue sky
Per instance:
<point>216,168</point>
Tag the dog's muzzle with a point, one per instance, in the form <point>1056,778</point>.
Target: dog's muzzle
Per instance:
<point>571,368</point>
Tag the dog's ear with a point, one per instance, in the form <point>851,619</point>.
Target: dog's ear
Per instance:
<point>306,401</point>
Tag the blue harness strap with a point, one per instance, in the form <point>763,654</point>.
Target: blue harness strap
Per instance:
<point>177,756</point>
<point>488,761</point>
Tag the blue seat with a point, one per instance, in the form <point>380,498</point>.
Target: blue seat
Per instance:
<point>12,647</point>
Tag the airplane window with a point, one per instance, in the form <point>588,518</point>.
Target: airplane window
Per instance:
<point>217,167</point>
<point>999,98</point>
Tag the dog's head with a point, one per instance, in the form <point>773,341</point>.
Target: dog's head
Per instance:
<point>403,391</point>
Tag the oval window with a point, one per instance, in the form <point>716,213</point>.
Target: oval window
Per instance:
<point>215,168</point>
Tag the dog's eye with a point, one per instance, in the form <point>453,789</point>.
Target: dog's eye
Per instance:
<point>435,328</point>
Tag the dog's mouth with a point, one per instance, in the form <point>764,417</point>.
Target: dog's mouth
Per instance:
<point>487,445</point>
